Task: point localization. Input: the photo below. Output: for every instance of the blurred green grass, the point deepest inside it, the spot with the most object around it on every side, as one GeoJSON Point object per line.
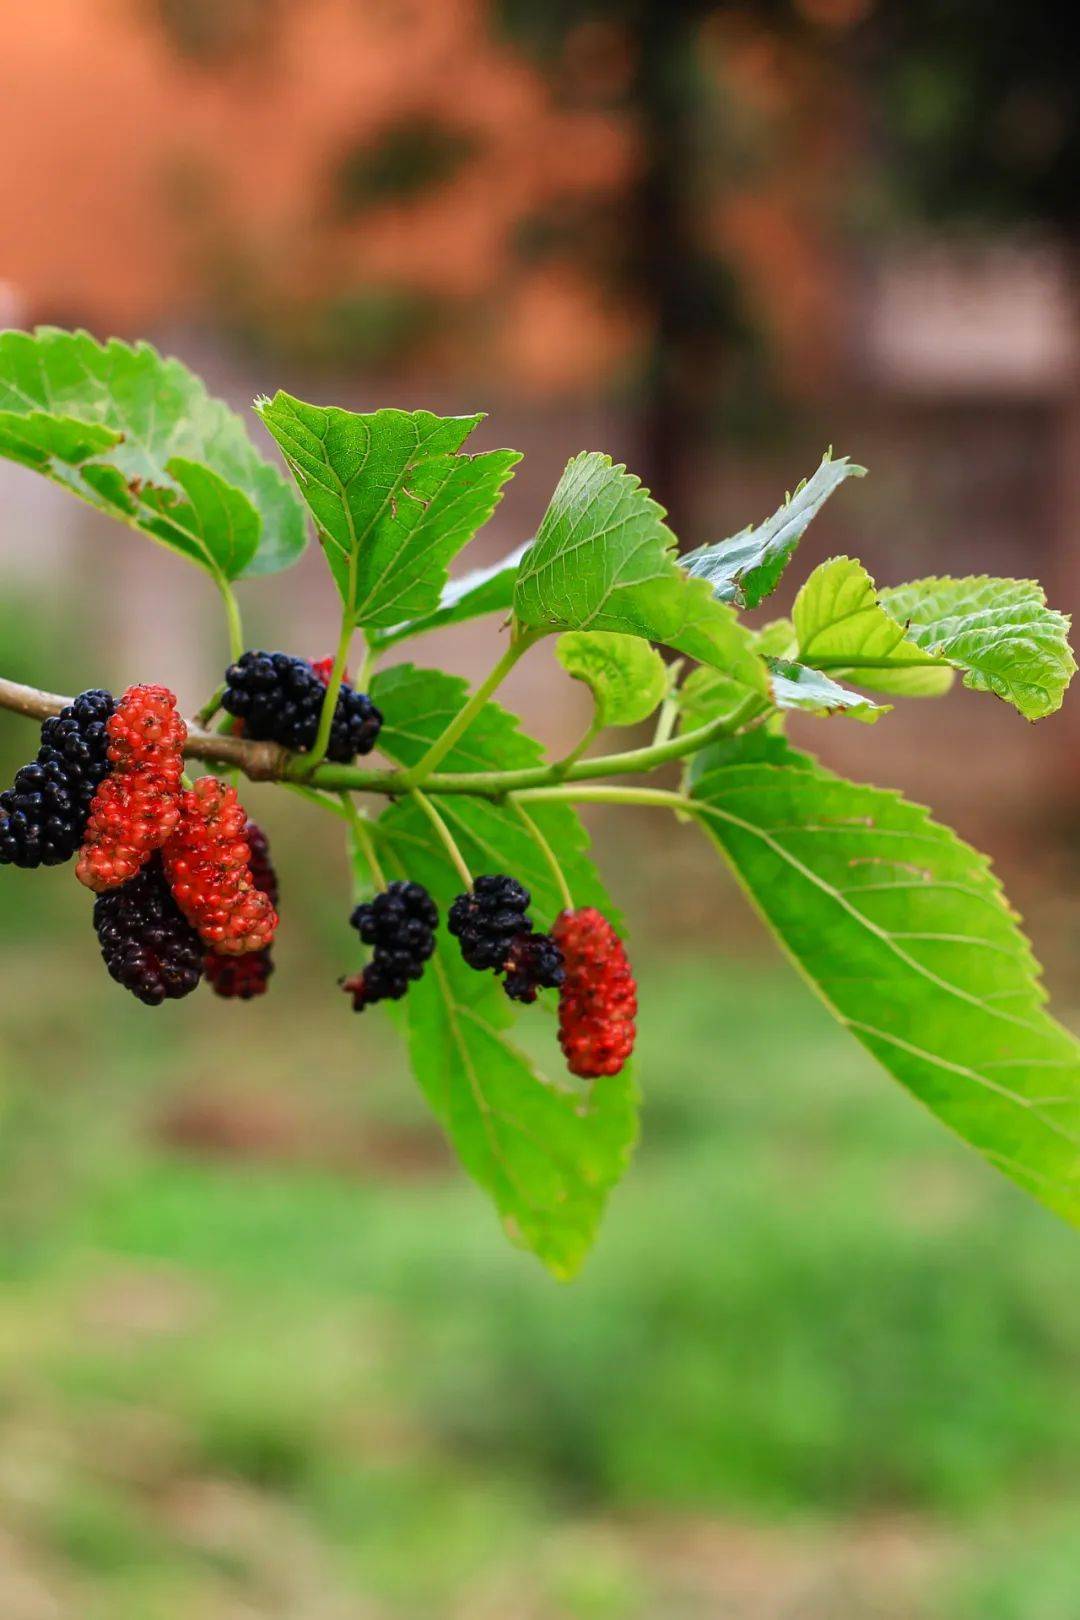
{"type": "Point", "coordinates": [264, 1352]}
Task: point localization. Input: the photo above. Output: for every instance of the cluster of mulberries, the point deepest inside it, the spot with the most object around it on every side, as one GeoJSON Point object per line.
{"type": "Point", "coordinates": [493, 928]}
{"type": "Point", "coordinates": [598, 1002]}
{"type": "Point", "coordinates": [43, 815]}
{"type": "Point", "coordinates": [185, 886]}
{"type": "Point", "coordinates": [208, 864]}
{"type": "Point", "coordinates": [279, 699]}
{"type": "Point", "coordinates": [241, 978]}
{"type": "Point", "coordinates": [136, 809]}
{"type": "Point", "coordinates": [400, 925]}
{"type": "Point", "coordinates": [147, 945]}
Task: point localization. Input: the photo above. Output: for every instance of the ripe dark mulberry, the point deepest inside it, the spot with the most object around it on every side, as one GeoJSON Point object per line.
{"type": "Point", "coordinates": [208, 865]}
{"type": "Point", "coordinates": [147, 945]}
{"type": "Point", "coordinates": [495, 932]}
{"type": "Point", "coordinates": [400, 924]}
{"type": "Point", "coordinates": [598, 1000]}
{"type": "Point", "coordinates": [488, 919]}
{"type": "Point", "coordinates": [43, 815]}
{"type": "Point", "coordinates": [534, 963]}
{"type": "Point", "coordinates": [136, 808]}
{"type": "Point", "coordinates": [279, 699]}
{"type": "Point", "coordinates": [241, 978]}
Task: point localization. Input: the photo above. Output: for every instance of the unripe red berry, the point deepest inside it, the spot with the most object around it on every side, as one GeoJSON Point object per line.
{"type": "Point", "coordinates": [242, 978]}
{"type": "Point", "coordinates": [207, 862]}
{"type": "Point", "coordinates": [136, 808]}
{"type": "Point", "coordinates": [598, 999]}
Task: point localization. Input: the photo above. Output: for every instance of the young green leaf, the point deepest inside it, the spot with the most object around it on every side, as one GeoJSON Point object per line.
{"type": "Point", "coordinates": [393, 496]}
{"type": "Point", "coordinates": [547, 1153]}
{"type": "Point", "coordinates": [794, 686]}
{"type": "Point", "coordinates": [840, 626]}
{"type": "Point", "coordinates": [139, 437]}
{"type": "Point", "coordinates": [627, 678]}
{"type": "Point", "coordinates": [748, 567]}
{"type": "Point", "coordinates": [482, 590]}
{"type": "Point", "coordinates": [906, 935]}
{"type": "Point", "coordinates": [1000, 632]}
{"type": "Point", "coordinates": [603, 559]}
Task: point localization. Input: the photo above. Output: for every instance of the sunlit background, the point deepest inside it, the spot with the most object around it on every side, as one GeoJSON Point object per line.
{"type": "Point", "coordinates": [264, 1353]}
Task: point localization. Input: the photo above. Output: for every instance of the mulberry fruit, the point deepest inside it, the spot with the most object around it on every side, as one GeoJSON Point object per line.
{"type": "Point", "coordinates": [241, 978]}
{"type": "Point", "coordinates": [208, 865]}
{"type": "Point", "coordinates": [598, 1000]}
{"type": "Point", "coordinates": [494, 930]}
{"type": "Point", "coordinates": [400, 923]}
{"type": "Point", "coordinates": [136, 808]}
{"type": "Point", "coordinates": [488, 919]}
{"type": "Point", "coordinates": [534, 963]}
{"type": "Point", "coordinates": [147, 945]}
{"type": "Point", "coordinates": [43, 815]}
{"type": "Point", "coordinates": [279, 699]}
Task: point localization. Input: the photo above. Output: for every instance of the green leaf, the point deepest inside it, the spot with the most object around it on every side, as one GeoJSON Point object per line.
{"type": "Point", "coordinates": [603, 559]}
{"type": "Point", "coordinates": [794, 686]}
{"type": "Point", "coordinates": [840, 626]}
{"type": "Point", "coordinates": [905, 933]}
{"type": "Point", "coordinates": [392, 495]}
{"type": "Point", "coordinates": [748, 567]}
{"type": "Point", "coordinates": [1000, 632]}
{"type": "Point", "coordinates": [627, 677]}
{"type": "Point", "coordinates": [140, 438]}
{"type": "Point", "coordinates": [547, 1153]}
{"type": "Point", "coordinates": [707, 694]}
{"type": "Point", "coordinates": [482, 590]}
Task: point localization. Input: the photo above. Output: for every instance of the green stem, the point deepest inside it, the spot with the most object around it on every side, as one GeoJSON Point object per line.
{"type": "Point", "coordinates": [233, 618]}
{"type": "Point", "coordinates": [496, 784]}
{"type": "Point", "coordinates": [330, 697]}
{"type": "Point", "coordinates": [371, 652]}
{"type": "Point", "coordinates": [575, 754]}
{"type": "Point", "coordinates": [445, 835]}
{"type": "Point", "coordinates": [318, 799]}
{"type": "Point", "coordinates": [659, 797]}
{"type": "Point", "coordinates": [875, 663]}
{"type": "Point", "coordinates": [362, 837]}
{"type": "Point", "coordinates": [669, 709]}
{"type": "Point", "coordinates": [210, 707]}
{"type": "Point", "coordinates": [519, 644]}
{"type": "Point", "coordinates": [546, 850]}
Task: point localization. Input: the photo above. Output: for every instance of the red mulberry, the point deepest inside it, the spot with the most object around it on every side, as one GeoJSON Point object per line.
{"type": "Point", "coordinates": [136, 808]}
{"type": "Point", "coordinates": [241, 978]}
{"type": "Point", "coordinates": [208, 865]}
{"type": "Point", "coordinates": [598, 1000]}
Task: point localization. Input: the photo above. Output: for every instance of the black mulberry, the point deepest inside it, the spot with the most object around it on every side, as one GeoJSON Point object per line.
{"type": "Point", "coordinates": [43, 815]}
{"type": "Point", "coordinates": [147, 945]}
{"type": "Point", "coordinates": [400, 924]}
{"type": "Point", "coordinates": [488, 919]}
{"type": "Point", "coordinates": [534, 963]}
{"type": "Point", "coordinates": [279, 699]}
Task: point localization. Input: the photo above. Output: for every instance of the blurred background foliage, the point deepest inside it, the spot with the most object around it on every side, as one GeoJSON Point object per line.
{"type": "Point", "coordinates": [263, 1354]}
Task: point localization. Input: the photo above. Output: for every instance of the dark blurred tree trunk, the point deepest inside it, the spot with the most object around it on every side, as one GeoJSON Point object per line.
{"type": "Point", "coordinates": [665, 254]}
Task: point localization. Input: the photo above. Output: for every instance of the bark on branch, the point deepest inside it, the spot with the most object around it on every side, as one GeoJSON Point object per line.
{"type": "Point", "coordinates": [261, 761]}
